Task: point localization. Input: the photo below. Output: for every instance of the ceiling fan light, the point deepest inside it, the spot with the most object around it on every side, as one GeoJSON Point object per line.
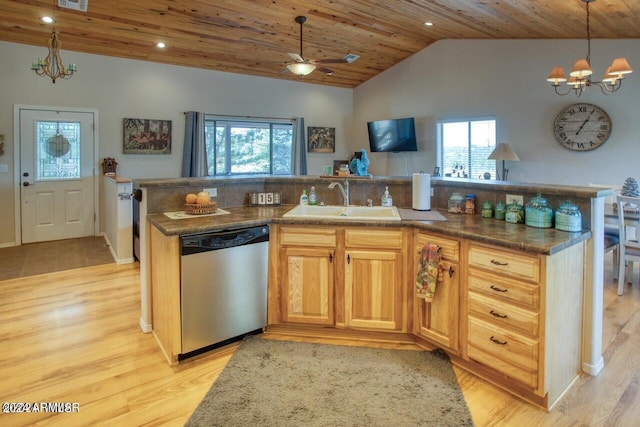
{"type": "Point", "coordinates": [618, 67]}
{"type": "Point", "coordinates": [581, 69]}
{"type": "Point", "coordinates": [301, 68]}
{"type": "Point", "coordinates": [556, 76]}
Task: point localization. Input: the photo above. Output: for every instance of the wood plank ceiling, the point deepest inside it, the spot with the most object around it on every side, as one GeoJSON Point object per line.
{"type": "Point", "coordinates": [254, 36]}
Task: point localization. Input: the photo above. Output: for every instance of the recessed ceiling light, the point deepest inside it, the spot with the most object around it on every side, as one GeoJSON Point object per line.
{"type": "Point", "coordinates": [161, 45]}
{"type": "Point", "coordinates": [428, 24]}
{"type": "Point", "coordinates": [47, 19]}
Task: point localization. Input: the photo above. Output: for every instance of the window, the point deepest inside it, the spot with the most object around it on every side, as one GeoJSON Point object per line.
{"type": "Point", "coordinates": [241, 146]}
{"type": "Point", "coordinates": [57, 150]}
{"type": "Point", "coordinates": [463, 148]}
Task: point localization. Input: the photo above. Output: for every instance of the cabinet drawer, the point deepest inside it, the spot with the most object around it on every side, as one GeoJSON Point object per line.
{"type": "Point", "coordinates": [507, 352]}
{"type": "Point", "coordinates": [368, 238]}
{"type": "Point", "coordinates": [504, 315]}
{"type": "Point", "coordinates": [505, 262]}
{"type": "Point", "coordinates": [505, 289]}
{"type": "Point", "coordinates": [308, 237]}
{"type": "Point", "coordinates": [449, 249]}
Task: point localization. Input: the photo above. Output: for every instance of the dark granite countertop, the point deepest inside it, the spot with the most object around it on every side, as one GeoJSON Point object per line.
{"type": "Point", "coordinates": [471, 227]}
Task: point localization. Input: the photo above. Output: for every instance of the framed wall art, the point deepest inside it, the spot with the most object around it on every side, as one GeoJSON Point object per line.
{"type": "Point", "coordinates": [321, 140]}
{"type": "Point", "coordinates": [145, 136]}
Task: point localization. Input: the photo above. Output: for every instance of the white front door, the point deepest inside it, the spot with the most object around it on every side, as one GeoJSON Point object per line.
{"type": "Point", "coordinates": [57, 174]}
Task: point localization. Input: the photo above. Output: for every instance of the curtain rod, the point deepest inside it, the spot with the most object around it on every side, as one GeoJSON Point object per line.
{"type": "Point", "coordinates": [246, 117]}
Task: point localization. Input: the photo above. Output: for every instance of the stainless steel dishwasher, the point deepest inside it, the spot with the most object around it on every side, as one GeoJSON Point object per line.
{"type": "Point", "coordinates": [223, 286]}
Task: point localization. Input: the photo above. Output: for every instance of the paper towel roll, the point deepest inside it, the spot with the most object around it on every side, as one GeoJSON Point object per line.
{"type": "Point", "coordinates": [421, 197]}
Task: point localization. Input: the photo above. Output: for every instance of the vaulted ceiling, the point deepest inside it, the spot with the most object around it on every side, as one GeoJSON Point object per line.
{"type": "Point", "coordinates": [255, 36]}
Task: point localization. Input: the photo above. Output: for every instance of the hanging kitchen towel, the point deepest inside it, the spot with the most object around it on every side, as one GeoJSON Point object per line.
{"type": "Point", "coordinates": [430, 272]}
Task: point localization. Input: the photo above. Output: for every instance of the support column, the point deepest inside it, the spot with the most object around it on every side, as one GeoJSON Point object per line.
{"type": "Point", "coordinates": [592, 360]}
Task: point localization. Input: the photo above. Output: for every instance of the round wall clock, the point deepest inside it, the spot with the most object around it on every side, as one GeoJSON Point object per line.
{"type": "Point", "coordinates": [582, 127]}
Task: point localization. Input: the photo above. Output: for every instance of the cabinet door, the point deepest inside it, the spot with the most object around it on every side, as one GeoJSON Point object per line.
{"type": "Point", "coordinates": [307, 285]}
{"type": "Point", "coordinates": [373, 289]}
{"type": "Point", "coordinates": [438, 319]}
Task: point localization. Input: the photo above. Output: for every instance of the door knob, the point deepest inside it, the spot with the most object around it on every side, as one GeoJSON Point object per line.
{"type": "Point", "coordinates": [26, 184]}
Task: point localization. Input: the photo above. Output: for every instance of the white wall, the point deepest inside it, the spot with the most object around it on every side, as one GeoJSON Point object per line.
{"type": "Point", "coordinates": [506, 79]}
{"type": "Point", "coordinates": [121, 88]}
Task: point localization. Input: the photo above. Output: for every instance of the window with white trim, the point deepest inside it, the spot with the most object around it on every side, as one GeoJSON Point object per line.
{"type": "Point", "coordinates": [241, 146]}
{"type": "Point", "coordinates": [463, 148]}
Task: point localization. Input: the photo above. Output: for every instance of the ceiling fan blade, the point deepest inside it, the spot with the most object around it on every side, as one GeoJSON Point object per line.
{"type": "Point", "coordinates": [285, 71]}
{"type": "Point", "coordinates": [331, 61]}
{"type": "Point", "coordinates": [296, 57]}
{"type": "Point", "coordinates": [327, 71]}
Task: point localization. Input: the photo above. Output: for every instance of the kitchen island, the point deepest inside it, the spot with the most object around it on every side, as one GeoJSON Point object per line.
{"type": "Point", "coordinates": [510, 307]}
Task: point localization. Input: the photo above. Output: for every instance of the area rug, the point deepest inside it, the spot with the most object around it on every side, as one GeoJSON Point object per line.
{"type": "Point", "coordinates": [283, 383]}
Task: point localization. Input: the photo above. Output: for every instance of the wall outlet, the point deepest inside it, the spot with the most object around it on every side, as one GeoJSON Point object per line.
{"type": "Point", "coordinates": [512, 197]}
{"type": "Point", "coordinates": [213, 192]}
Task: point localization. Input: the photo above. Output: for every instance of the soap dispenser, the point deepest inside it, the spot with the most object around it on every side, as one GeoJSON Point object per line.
{"type": "Point", "coordinates": [304, 199]}
{"type": "Point", "coordinates": [386, 198]}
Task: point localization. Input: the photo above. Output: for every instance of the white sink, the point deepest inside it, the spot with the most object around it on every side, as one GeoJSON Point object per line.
{"type": "Point", "coordinates": [348, 213]}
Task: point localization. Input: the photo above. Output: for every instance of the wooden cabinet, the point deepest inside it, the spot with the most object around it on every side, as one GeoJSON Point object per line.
{"type": "Point", "coordinates": [307, 271]}
{"type": "Point", "coordinates": [510, 317]}
{"type": "Point", "coordinates": [351, 277]}
{"type": "Point", "coordinates": [502, 329]}
{"type": "Point", "coordinates": [437, 321]}
{"type": "Point", "coordinates": [165, 293]}
{"type": "Point", "coordinates": [373, 286]}
{"type": "Point", "coordinates": [522, 319]}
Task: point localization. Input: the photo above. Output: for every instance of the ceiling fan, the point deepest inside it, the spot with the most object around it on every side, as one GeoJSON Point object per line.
{"type": "Point", "coordinates": [303, 66]}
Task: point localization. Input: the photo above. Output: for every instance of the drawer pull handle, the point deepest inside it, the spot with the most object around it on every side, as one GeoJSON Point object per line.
{"type": "Point", "coordinates": [498, 341]}
{"type": "Point", "coordinates": [497, 289]}
{"type": "Point", "coordinates": [502, 316]}
{"type": "Point", "coordinates": [451, 271]}
{"type": "Point", "coordinates": [494, 262]}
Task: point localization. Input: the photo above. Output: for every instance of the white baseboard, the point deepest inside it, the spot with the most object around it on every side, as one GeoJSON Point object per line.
{"type": "Point", "coordinates": [114, 255]}
{"type": "Point", "coordinates": [146, 327]}
{"type": "Point", "coordinates": [8, 245]}
{"type": "Point", "coordinates": [593, 369]}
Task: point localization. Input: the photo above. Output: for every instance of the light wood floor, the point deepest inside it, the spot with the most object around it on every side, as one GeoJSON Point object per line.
{"type": "Point", "coordinates": [73, 336]}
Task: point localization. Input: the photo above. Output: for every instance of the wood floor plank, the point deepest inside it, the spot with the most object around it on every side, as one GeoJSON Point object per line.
{"type": "Point", "coordinates": [73, 336]}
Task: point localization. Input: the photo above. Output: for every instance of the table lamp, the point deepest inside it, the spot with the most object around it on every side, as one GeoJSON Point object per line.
{"type": "Point", "coordinates": [503, 151]}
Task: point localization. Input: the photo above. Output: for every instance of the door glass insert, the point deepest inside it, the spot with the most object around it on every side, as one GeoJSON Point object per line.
{"type": "Point", "coordinates": [57, 150]}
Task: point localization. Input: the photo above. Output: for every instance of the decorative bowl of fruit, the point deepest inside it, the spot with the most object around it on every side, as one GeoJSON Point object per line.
{"type": "Point", "coordinates": [199, 204]}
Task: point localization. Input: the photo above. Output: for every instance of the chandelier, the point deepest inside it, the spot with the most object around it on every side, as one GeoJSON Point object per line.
{"type": "Point", "coordinates": [52, 65]}
{"type": "Point", "coordinates": [580, 75]}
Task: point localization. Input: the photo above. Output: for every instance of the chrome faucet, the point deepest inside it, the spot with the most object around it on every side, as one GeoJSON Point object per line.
{"type": "Point", "coordinates": [344, 190]}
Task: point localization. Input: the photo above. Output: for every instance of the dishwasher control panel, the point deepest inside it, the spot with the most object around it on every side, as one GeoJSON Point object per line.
{"type": "Point", "coordinates": [196, 243]}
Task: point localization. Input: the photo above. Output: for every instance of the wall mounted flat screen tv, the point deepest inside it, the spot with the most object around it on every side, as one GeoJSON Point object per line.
{"type": "Point", "coordinates": [392, 135]}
